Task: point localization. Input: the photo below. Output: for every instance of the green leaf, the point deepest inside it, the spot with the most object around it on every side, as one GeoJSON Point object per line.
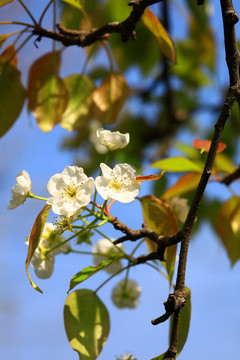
{"type": "Point", "coordinates": [76, 3]}
{"type": "Point", "coordinates": [227, 227]}
{"type": "Point", "coordinates": [109, 97]}
{"type": "Point", "coordinates": [47, 93]}
{"type": "Point", "coordinates": [177, 164]}
{"type": "Point", "coordinates": [184, 184]}
{"type": "Point", "coordinates": [86, 322]}
{"type": "Point", "coordinates": [163, 38]}
{"type": "Point", "coordinates": [77, 113]}
{"type": "Point", "coordinates": [224, 164]}
{"type": "Point", "coordinates": [4, 37]}
{"type": "Point", "coordinates": [160, 357]}
{"type": "Point", "coordinates": [161, 219]}
{"type": "Point", "coordinates": [5, 2]}
{"type": "Point", "coordinates": [184, 324]}
{"type": "Point", "coordinates": [34, 239]}
{"type": "Point", "coordinates": [12, 96]}
{"type": "Point", "coordinates": [85, 273]}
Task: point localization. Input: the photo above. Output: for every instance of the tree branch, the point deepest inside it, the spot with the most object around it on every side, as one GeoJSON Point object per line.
{"type": "Point", "coordinates": [126, 28]}
{"type": "Point", "coordinates": [227, 180]}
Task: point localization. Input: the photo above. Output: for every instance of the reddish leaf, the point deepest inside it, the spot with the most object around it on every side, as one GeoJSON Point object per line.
{"type": "Point", "coordinates": [184, 184]}
{"type": "Point", "coordinates": [47, 93]}
{"type": "Point", "coordinates": [163, 38]}
{"type": "Point", "coordinates": [149, 177]}
{"type": "Point", "coordinates": [161, 219]}
{"type": "Point", "coordinates": [109, 97]}
{"type": "Point", "coordinates": [34, 239]}
{"type": "Point", "coordinates": [228, 226]}
{"type": "Point", "coordinates": [12, 96]}
{"type": "Point", "coordinates": [204, 145]}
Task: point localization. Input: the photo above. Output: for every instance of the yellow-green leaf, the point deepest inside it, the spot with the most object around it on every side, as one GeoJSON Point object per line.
{"type": "Point", "coordinates": [161, 219]}
{"type": "Point", "coordinates": [12, 96]}
{"type": "Point", "coordinates": [78, 111]}
{"type": "Point", "coordinates": [34, 239]}
{"type": "Point", "coordinates": [184, 184]}
{"type": "Point", "coordinates": [163, 38]}
{"type": "Point", "coordinates": [76, 3]}
{"type": "Point", "coordinates": [47, 93]}
{"type": "Point", "coordinates": [86, 322]}
{"type": "Point", "coordinates": [160, 357]}
{"type": "Point", "coordinates": [184, 324]}
{"type": "Point", "coordinates": [4, 37]}
{"type": "Point", "coordinates": [84, 274]}
{"type": "Point", "coordinates": [109, 97]}
{"type": "Point", "coordinates": [227, 227]}
{"type": "Point", "coordinates": [177, 164]}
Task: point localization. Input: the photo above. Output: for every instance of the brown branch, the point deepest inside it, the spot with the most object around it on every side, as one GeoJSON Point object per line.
{"type": "Point", "coordinates": [176, 300]}
{"type": "Point", "coordinates": [126, 28]}
{"type": "Point", "coordinates": [227, 180]}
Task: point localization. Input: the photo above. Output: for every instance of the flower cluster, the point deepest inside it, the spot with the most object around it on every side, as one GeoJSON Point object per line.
{"type": "Point", "coordinates": [104, 249]}
{"type": "Point", "coordinates": [43, 262]}
{"type": "Point", "coordinates": [72, 190]}
{"type": "Point", "coordinates": [126, 356]}
{"type": "Point", "coordinates": [126, 294]}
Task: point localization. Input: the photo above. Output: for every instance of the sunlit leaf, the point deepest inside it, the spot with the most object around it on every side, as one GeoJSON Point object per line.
{"type": "Point", "coordinates": [78, 111]}
{"type": "Point", "coordinates": [184, 184]}
{"type": "Point", "coordinates": [227, 227]}
{"type": "Point", "coordinates": [163, 38]}
{"type": "Point", "coordinates": [177, 164]}
{"type": "Point", "coordinates": [34, 239]}
{"type": "Point", "coordinates": [12, 96]}
{"type": "Point", "coordinates": [47, 93]}
{"type": "Point", "coordinates": [9, 55]}
{"type": "Point", "coordinates": [184, 324]}
{"type": "Point", "coordinates": [161, 219]}
{"type": "Point", "coordinates": [86, 322]}
{"type": "Point", "coordinates": [109, 97]}
{"type": "Point", "coordinates": [4, 37]}
{"type": "Point", "coordinates": [224, 164]}
{"type": "Point", "coordinates": [76, 3]}
{"type": "Point", "coordinates": [204, 145]}
{"type": "Point", "coordinates": [84, 274]}
{"type": "Point", "coordinates": [5, 2]}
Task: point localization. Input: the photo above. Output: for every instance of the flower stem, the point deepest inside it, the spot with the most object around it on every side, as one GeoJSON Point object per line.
{"type": "Point", "coordinates": [31, 195]}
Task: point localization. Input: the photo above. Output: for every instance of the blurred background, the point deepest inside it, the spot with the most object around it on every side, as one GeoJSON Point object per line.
{"type": "Point", "coordinates": [31, 324]}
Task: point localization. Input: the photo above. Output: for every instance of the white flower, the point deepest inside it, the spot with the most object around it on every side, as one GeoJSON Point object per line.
{"type": "Point", "coordinates": [70, 190]}
{"type": "Point", "coordinates": [93, 126]}
{"type": "Point", "coordinates": [104, 246]}
{"type": "Point", "coordinates": [180, 208]}
{"type": "Point", "coordinates": [119, 184]}
{"type": "Point", "coordinates": [126, 356]}
{"type": "Point", "coordinates": [44, 263]}
{"type": "Point", "coordinates": [20, 190]}
{"type": "Point", "coordinates": [113, 140]}
{"type": "Point", "coordinates": [126, 294]}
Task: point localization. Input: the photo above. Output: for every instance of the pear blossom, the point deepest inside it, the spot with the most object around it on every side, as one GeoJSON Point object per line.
{"type": "Point", "coordinates": [118, 183]}
{"type": "Point", "coordinates": [93, 126]}
{"type": "Point", "coordinates": [126, 356]}
{"type": "Point", "coordinates": [104, 246]}
{"type": "Point", "coordinates": [113, 140]}
{"type": "Point", "coordinates": [44, 263]}
{"type": "Point", "coordinates": [71, 190]}
{"type": "Point", "coordinates": [21, 190]}
{"type": "Point", "coordinates": [126, 294]}
{"type": "Point", "coordinates": [180, 207]}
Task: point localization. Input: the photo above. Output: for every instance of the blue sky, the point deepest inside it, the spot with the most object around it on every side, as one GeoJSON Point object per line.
{"type": "Point", "coordinates": [31, 324]}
